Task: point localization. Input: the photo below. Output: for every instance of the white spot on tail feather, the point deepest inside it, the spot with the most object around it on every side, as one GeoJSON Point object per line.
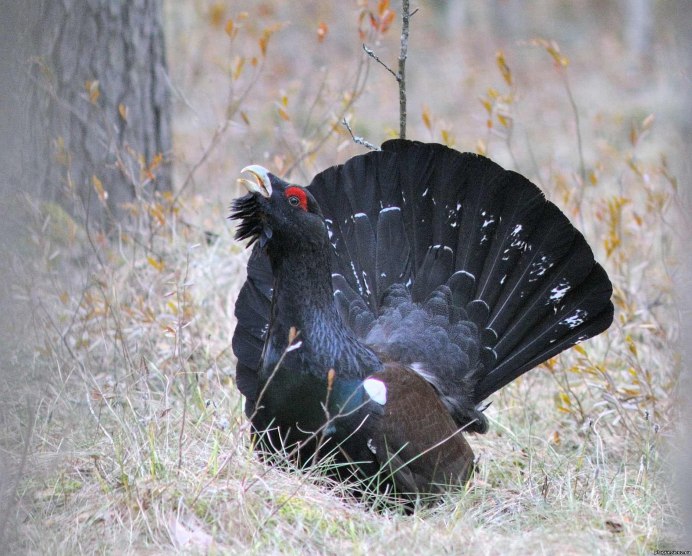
{"type": "Point", "coordinates": [575, 319]}
{"type": "Point", "coordinates": [376, 389]}
{"type": "Point", "coordinates": [559, 291]}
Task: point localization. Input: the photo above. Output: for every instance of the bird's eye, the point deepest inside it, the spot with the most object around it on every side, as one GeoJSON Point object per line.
{"type": "Point", "coordinates": [297, 197]}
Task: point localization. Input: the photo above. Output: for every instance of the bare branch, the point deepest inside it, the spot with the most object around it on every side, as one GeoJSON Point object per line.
{"type": "Point", "coordinates": [357, 139]}
{"type": "Point", "coordinates": [370, 52]}
{"type": "Point", "coordinates": [405, 16]}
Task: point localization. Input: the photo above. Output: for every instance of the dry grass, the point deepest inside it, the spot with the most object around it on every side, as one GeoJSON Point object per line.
{"type": "Point", "coordinates": [121, 395]}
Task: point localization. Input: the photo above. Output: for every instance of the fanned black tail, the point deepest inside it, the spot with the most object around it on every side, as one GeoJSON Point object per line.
{"type": "Point", "coordinates": [499, 272]}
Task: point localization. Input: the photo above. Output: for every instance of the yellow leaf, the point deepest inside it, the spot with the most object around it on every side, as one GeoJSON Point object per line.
{"type": "Point", "coordinates": [634, 135]}
{"type": "Point", "coordinates": [92, 88]}
{"type": "Point", "coordinates": [245, 118]}
{"type": "Point", "coordinates": [158, 265]}
{"type": "Point", "coordinates": [266, 35]}
{"type": "Point", "coordinates": [122, 110]}
{"type": "Point", "coordinates": [447, 137]}
{"type": "Point", "coordinates": [238, 65]}
{"type": "Point", "coordinates": [504, 68]}
{"type": "Point", "coordinates": [217, 11]}
{"type": "Point", "coordinates": [156, 211]}
{"type": "Point", "coordinates": [426, 117]}
{"type": "Point", "coordinates": [504, 120]}
{"type": "Point", "coordinates": [564, 398]}
{"type": "Point", "coordinates": [382, 6]}
{"type": "Point", "coordinates": [230, 29]}
{"type": "Point", "coordinates": [481, 147]}
{"type": "Point", "coordinates": [580, 349]}
{"type": "Point", "coordinates": [98, 186]}
{"type": "Point", "coordinates": [283, 114]}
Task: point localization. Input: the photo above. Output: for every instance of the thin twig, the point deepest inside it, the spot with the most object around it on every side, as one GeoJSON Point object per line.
{"type": "Point", "coordinates": [356, 138]}
{"type": "Point", "coordinates": [370, 52]}
{"type": "Point", "coordinates": [181, 359]}
{"type": "Point", "coordinates": [405, 16]}
{"type": "Point", "coordinates": [575, 110]}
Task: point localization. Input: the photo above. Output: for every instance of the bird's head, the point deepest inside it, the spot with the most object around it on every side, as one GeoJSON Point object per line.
{"type": "Point", "coordinates": [275, 212]}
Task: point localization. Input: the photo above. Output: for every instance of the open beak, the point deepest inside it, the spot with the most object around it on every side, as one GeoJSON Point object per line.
{"type": "Point", "coordinates": [263, 185]}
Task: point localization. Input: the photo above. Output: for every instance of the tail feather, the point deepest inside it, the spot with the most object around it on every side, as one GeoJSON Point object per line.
{"type": "Point", "coordinates": [252, 312]}
{"type": "Point", "coordinates": [393, 259]}
{"type": "Point", "coordinates": [588, 313]}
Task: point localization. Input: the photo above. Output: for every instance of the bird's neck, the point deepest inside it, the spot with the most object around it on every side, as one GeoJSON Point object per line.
{"type": "Point", "coordinates": [303, 294]}
{"type": "Point", "coordinates": [303, 300]}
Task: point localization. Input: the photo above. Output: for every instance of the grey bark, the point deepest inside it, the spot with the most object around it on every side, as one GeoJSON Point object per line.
{"type": "Point", "coordinates": [75, 136]}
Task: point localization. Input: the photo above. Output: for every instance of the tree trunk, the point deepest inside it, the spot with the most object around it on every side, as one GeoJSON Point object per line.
{"type": "Point", "coordinates": [99, 112]}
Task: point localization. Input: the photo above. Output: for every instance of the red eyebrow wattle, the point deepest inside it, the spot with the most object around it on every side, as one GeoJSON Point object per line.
{"type": "Point", "coordinates": [299, 192]}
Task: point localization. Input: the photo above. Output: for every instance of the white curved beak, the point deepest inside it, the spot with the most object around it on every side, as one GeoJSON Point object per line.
{"type": "Point", "coordinates": [263, 185]}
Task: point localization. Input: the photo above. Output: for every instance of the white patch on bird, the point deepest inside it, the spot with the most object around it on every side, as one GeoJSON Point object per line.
{"type": "Point", "coordinates": [371, 446]}
{"type": "Point", "coordinates": [458, 206]}
{"type": "Point", "coordinates": [467, 274]}
{"type": "Point", "coordinates": [365, 282]}
{"type": "Point", "coordinates": [390, 209]}
{"type": "Point", "coordinates": [577, 318]}
{"type": "Point", "coordinates": [558, 292]}
{"type": "Point", "coordinates": [518, 228]}
{"type": "Point", "coordinates": [425, 192]}
{"type": "Point", "coordinates": [360, 215]}
{"type": "Point", "coordinates": [487, 222]}
{"type": "Point", "coordinates": [355, 275]}
{"type": "Point", "coordinates": [376, 389]}
{"type": "Point", "coordinates": [420, 370]}
{"type": "Point", "coordinates": [502, 281]}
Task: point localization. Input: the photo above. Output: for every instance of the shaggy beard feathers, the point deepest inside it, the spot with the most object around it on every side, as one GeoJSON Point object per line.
{"type": "Point", "coordinates": [247, 210]}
